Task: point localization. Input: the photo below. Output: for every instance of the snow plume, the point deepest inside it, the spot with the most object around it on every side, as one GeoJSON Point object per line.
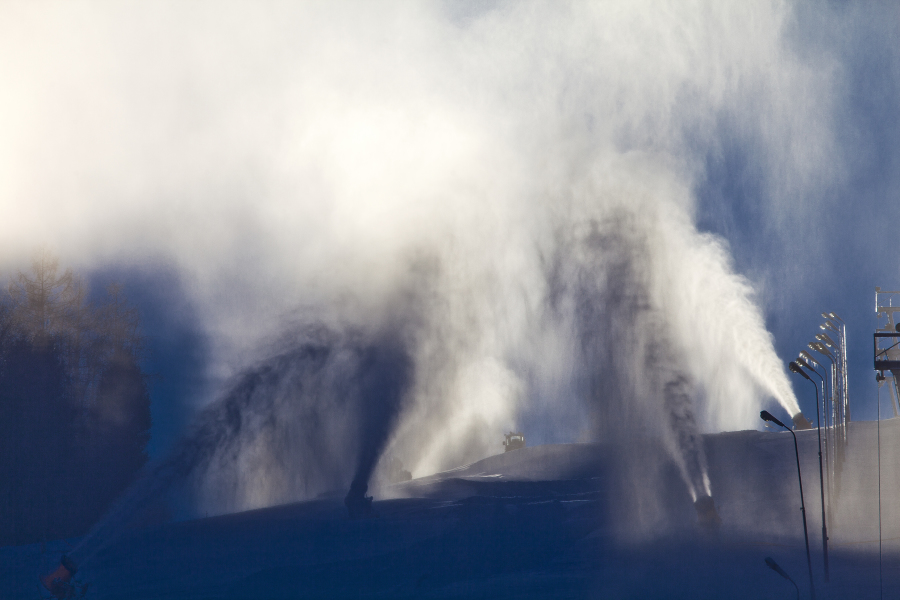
{"type": "Point", "coordinates": [637, 378]}
{"type": "Point", "coordinates": [528, 168]}
{"type": "Point", "coordinates": [305, 421]}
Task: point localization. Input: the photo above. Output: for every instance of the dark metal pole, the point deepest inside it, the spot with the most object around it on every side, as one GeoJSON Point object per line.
{"type": "Point", "coordinates": [812, 589]}
{"type": "Point", "coordinates": [774, 566]}
{"type": "Point", "coordinates": [808, 363]}
{"type": "Point", "coordinates": [796, 368]}
{"type": "Point", "coordinates": [765, 416]}
{"type": "Point", "coordinates": [829, 454]}
{"type": "Point", "coordinates": [879, 377]}
{"type": "Point", "coordinates": [821, 485]}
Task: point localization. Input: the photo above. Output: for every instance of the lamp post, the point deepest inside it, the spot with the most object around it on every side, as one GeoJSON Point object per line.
{"type": "Point", "coordinates": [837, 325]}
{"type": "Point", "coordinates": [839, 424]}
{"type": "Point", "coordinates": [841, 359]}
{"type": "Point", "coordinates": [766, 416]}
{"type": "Point", "coordinates": [796, 369]}
{"type": "Point", "coordinates": [838, 390]}
{"type": "Point", "coordinates": [806, 360]}
{"type": "Point", "coordinates": [774, 566]}
{"type": "Point", "coordinates": [824, 351]}
{"type": "Point", "coordinates": [841, 326]}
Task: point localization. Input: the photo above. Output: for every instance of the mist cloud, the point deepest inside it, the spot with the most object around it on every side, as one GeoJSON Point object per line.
{"type": "Point", "coordinates": [527, 169]}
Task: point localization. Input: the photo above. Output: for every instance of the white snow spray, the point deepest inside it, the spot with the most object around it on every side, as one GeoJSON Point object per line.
{"type": "Point", "coordinates": [313, 418]}
{"type": "Point", "coordinates": [535, 164]}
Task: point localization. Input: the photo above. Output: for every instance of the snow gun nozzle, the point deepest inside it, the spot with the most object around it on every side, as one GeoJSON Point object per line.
{"type": "Point", "coordinates": [707, 516]}
{"type": "Point", "coordinates": [58, 582]}
{"type": "Point", "coordinates": [801, 422]}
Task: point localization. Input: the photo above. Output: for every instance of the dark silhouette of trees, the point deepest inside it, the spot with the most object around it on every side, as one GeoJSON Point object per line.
{"type": "Point", "coordinates": [74, 404]}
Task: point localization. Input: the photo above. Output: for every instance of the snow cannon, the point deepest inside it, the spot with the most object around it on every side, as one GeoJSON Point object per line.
{"type": "Point", "coordinates": [514, 441]}
{"type": "Point", "coordinates": [58, 582]}
{"type": "Point", "coordinates": [801, 422]}
{"type": "Point", "coordinates": [358, 504]}
{"type": "Point", "coordinates": [707, 517]}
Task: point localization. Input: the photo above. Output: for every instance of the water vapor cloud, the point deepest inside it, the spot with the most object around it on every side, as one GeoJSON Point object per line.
{"type": "Point", "coordinates": [520, 177]}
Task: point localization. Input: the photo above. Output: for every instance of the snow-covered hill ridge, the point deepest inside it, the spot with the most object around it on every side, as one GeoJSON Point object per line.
{"type": "Point", "coordinates": [551, 461]}
{"type": "Point", "coordinates": [560, 521]}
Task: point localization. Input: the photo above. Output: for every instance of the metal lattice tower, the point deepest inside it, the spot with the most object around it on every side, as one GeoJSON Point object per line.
{"type": "Point", "coordinates": [887, 341]}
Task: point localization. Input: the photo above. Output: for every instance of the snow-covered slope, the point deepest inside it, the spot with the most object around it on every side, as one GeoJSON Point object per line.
{"type": "Point", "coordinates": [560, 521]}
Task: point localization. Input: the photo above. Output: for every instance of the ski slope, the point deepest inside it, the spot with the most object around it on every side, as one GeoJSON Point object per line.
{"type": "Point", "coordinates": [556, 521]}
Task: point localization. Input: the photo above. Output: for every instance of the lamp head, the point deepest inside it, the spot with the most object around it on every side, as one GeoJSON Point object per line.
{"type": "Point", "coordinates": [809, 358]}
{"type": "Point", "coordinates": [821, 349]}
{"type": "Point", "coordinates": [774, 566]}
{"type": "Point", "coordinates": [793, 366]}
{"type": "Point", "coordinates": [767, 416]}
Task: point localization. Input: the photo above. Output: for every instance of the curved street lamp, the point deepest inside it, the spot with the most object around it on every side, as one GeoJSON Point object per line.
{"type": "Point", "coordinates": [829, 325]}
{"type": "Point", "coordinates": [824, 351]}
{"type": "Point", "coordinates": [841, 327]}
{"type": "Point", "coordinates": [838, 439]}
{"type": "Point", "coordinates": [766, 416]}
{"type": "Point", "coordinates": [806, 360]}
{"type": "Point", "coordinates": [837, 357]}
{"type": "Point", "coordinates": [823, 337]}
{"type": "Point", "coordinates": [774, 566]}
{"type": "Point", "coordinates": [797, 369]}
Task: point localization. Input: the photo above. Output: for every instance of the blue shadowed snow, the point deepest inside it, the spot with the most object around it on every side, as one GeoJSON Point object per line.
{"type": "Point", "coordinates": [556, 521]}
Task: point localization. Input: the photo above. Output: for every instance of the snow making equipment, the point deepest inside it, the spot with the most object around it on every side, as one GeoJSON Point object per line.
{"type": "Point", "coordinates": [801, 422]}
{"type": "Point", "coordinates": [359, 505]}
{"type": "Point", "coordinates": [514, 441]}
{"type": "Point", "coordinates": [707, 516]}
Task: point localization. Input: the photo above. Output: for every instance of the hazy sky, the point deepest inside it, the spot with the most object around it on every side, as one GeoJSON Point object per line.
{"type": "Point", "coordinates": [242, 164]}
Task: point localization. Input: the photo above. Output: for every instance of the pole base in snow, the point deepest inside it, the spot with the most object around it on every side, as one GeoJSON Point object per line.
{"type": "Point", "coordinates": [359, 508]}
{"type": "Point", "coordinates": [58, 582]}
{"type": "Point", "coordinates": [358, 504]}
{"type": "Point", "coordinates": [707, 516]}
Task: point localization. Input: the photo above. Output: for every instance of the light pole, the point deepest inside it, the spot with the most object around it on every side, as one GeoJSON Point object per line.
{"type": "Point", "coordinates": [774, 566]}
{"type": "Point", "coordinates": [842, 332]}
{"type": "Point", "coordinates": [839, 425]}
{"type": "Point", "coordinates": [806, 360]}
{"type": "Point", "coordinates": [765, 416]}
{"type": "Point", "coordinates": [841, 362]}
{"type": "Point", "coordinates": [796, 369]}
{"type": "Point", "coordinates": [841, 392]}
{"type": "Point", "coordinates": [824, 351]}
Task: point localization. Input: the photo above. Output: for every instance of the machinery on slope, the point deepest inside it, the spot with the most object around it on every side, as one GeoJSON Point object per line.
{"type": "Point", "coordinates": [514, 441]}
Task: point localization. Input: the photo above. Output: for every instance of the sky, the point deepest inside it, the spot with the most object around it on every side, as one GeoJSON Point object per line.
{"type": "Point", "coordinates": [247, 167]}
{"type": "Point", "coordinates": [828, 251]}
